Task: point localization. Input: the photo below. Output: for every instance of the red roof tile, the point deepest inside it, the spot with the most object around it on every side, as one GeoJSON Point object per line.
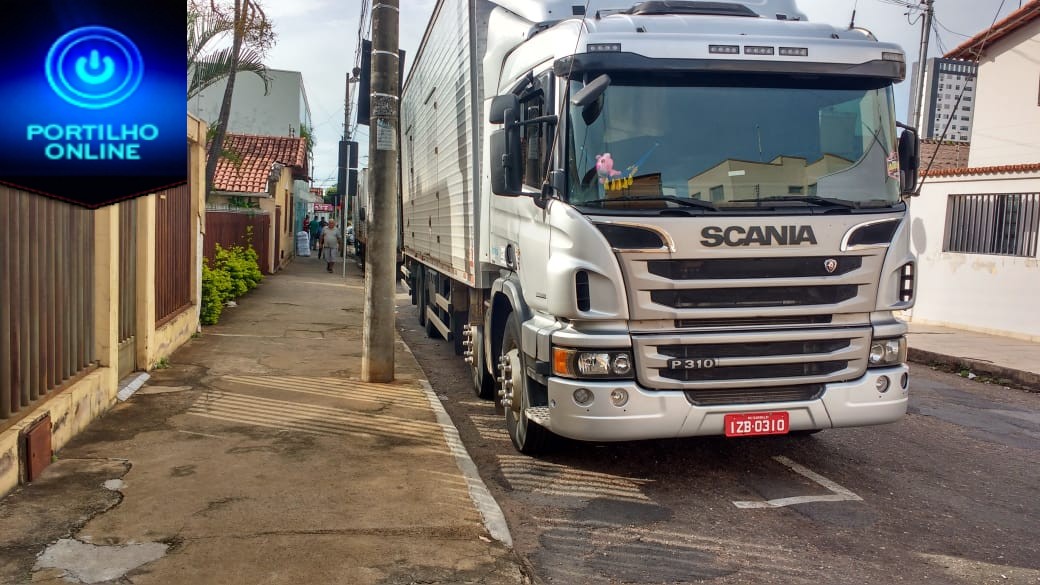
{"type": "Point", "coordinates": [973, 48]}
{"type": "Point", "coordinates": [254, 156]}
{"type": "Point", "coordinates": [994, 170]}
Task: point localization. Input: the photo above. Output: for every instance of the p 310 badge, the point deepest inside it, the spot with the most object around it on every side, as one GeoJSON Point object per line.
{"type": "Point", "coordinates": [693, 364]}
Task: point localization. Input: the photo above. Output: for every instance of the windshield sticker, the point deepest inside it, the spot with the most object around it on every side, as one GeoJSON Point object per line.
{"type": "Point", "coordinates": [893, 165]}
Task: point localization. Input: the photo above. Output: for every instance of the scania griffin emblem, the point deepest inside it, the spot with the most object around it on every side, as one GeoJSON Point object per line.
{"type": "Point", "coordinates": [830, 264]}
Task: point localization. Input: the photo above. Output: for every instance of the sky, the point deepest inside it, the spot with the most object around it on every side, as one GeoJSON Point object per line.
{"type": "Point", "coordinates": [319, 38]}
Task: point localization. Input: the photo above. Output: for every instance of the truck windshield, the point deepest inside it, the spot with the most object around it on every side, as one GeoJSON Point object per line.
{"type": "Point", "coordinates": [735, 144]}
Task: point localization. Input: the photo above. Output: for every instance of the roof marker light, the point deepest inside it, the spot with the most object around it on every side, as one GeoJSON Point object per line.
{"type": "Point", "coordinates": [749, 50]}
{"type": "Point", "coordinates": [604, 47]}
{"type": "Point", "coordinates": [724, 49]}
{"type": "Point", "coordinates": [794, 51]}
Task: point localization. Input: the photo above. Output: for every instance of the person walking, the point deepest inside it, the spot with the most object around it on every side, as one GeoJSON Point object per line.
{"type": "Point", "coordinates": [315, 229]}
{"type": "Point", "coordinates": [330, 245]}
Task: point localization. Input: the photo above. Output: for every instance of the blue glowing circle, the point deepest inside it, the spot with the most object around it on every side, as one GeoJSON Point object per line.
{"type": "Point", "coordinates": [94, 67]}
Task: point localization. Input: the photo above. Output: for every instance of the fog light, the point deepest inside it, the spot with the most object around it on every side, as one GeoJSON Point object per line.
{"type": "Point", "coordinates": [904, 381]}
{"type": "Point", "coordinates": [619, 397]}
{"type": "Point", "coordinates": [583, 396]}
{"type": "Point", "coordinates": [622, 365]}
{"type": "Point", "coordinates": [882, 384]}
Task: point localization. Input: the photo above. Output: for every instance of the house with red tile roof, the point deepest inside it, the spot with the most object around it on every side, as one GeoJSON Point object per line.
{"type": "Point", "coordinates": [976, 224]}
{"type": "Point", "coordinates": [257, 173]}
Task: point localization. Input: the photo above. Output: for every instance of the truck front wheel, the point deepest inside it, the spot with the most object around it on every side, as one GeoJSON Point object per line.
{"type": "Point", "coordinates": [515, 389]}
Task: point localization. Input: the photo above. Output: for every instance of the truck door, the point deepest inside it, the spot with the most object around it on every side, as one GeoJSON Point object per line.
{"type": "Point", "coordinates": [524, 222]}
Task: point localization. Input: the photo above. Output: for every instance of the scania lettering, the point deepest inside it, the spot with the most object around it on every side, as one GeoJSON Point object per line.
{"type": "Point", "coordinates": [660, 219]}
{"type": "Point", "coordinates": [761, 235]}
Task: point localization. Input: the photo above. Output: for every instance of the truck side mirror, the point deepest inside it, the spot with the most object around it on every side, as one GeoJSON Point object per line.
{"type": "Point", "coordinates": [505, 146]}
{"type": "Point", "coordinates": [909, 160]}
{"type": "Point", "coordinates": [500, 104]}
{"type": "Point", "coordinates": [590, 98]}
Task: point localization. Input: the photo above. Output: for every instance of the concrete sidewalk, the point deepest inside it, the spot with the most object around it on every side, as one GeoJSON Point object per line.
{"type": "Point", "coordinates": [1003, 358]}
{"type": "Point", "coordinates": [258, 457]}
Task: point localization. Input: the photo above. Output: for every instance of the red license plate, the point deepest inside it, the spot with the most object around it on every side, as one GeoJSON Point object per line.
{"type": "Point", "coordinates": [757, 423]}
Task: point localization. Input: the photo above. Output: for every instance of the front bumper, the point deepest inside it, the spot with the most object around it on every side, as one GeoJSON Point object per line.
{"type": "Point", "coordinates": [658, 414]}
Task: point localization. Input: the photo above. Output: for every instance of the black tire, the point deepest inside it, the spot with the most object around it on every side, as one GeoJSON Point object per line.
{"type": "Point", "coordinates": [431, 329]}
{"type": "Point", "coordinates": [483, 381]}
{"type": "Point", "coordinates": [528, 437]}
{"type": "Point", "coordinates": [458, 321]}
{"type": "Point", "coordinates": [804, 433]}
{"type": "Point", "coordinates": [420, 296]}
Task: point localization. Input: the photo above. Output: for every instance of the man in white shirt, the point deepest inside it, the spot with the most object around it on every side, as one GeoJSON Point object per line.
{"type": "Point", "coordinates": [330, 244]}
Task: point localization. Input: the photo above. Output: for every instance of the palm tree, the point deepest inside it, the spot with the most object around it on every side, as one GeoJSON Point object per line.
{"type": "Point", "coordinates": [251, 35]}
{"type": "Point", "coordinates": [207, 68]}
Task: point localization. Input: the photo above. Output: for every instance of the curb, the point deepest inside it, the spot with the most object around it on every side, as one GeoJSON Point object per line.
{"type": "Point", "coordinates": [494, 519]}
{"type": "Point", "coordinates": [1027, 380]}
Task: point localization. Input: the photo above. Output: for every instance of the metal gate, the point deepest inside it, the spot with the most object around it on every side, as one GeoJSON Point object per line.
{"type": "Point", "coordinates": [46, 298]}
{"type": "Point", "coordinates": [127, 287]}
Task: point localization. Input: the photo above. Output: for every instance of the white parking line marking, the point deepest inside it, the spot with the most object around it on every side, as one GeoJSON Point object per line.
{"type": "Point", "coordinates": [840, 494]}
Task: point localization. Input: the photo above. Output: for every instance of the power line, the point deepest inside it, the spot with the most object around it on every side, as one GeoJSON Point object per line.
{"type": "Point", "coordinates": [944, 27]}
{"type": "Point", "coordinates": [956, 104]}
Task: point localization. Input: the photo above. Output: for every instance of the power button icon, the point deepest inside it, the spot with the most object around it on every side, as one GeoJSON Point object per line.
{"type": "Point", "coordinates": [94, 67]}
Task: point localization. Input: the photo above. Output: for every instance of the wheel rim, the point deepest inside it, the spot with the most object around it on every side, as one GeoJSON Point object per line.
{"type": "Point", "coordinates": [515, 395]}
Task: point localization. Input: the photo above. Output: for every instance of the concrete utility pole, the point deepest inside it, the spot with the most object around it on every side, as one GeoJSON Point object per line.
{"type": "Point", "coordinates": [922, 61]}
{"type": "Point", "coordinates": [377, 360]}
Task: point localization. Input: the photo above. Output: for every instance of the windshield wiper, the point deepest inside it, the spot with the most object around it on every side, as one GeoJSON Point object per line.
{"type": "Point", "coordinates": [679, 200]}
{"type": "Point", "coordinates": [827, 201]}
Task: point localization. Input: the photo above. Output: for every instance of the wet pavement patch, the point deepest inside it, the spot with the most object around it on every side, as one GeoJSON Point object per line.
{"type": "Point", "coordinates": [89, 563]}
{"type": "Point", "coordinates": [622, 512]}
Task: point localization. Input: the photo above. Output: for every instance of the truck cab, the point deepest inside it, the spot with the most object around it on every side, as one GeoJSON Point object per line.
{"type": "Point", "coordinates": [696, 222]}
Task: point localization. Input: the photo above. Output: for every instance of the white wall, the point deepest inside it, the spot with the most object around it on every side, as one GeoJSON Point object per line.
{"type": "Point", "coordinates": [1007, 115]}
{"type": "Point", "coordinates": [252, 112]}
{"type": "Point", "coordinates": [987, 293]}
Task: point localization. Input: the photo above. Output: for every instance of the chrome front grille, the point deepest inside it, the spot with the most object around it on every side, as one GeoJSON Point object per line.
{"type": "Point", "coordinates": [730, 268]}
{"type": "Point", "coordinates": [750, 287]}
{"type": "Point", "coordinates": [751, 360]}
{"type": "Point", "coordinates": [762, 296]}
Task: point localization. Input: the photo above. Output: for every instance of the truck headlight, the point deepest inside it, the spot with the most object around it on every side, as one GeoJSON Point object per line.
{"type": "Point", "coordinates": [887, 352]}
{"type": "Point", "coordinates": [575, 363]}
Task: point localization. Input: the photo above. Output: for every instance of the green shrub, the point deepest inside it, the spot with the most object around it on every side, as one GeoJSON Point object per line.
{"type": "Point", "coordinates": [235, 271]}
{"type": "Point", "coordinates": [216, 289]}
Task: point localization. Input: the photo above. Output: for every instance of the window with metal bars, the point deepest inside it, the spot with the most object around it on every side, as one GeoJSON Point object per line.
{"type": "Point", "coordinates": [1003, 224]}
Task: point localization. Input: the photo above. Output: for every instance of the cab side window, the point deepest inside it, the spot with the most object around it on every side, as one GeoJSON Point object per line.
{"type": "Point", "coordinates": [536, 139]}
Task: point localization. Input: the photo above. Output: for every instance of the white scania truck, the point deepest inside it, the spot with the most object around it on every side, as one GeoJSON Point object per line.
{"type": "Point", "coordinates": [667, 219]}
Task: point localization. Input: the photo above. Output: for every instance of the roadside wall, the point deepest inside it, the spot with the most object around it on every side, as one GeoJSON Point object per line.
{"type": "Point", "coordinates": [988, 293]}
{"type": "Point", "coordinates": [87, 393]}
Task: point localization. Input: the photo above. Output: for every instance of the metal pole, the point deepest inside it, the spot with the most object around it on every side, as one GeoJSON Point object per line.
{"type": "Point", "coordinates": [343, 187]}
{"type": "Point", "coordinates": [377, 361]}
{"type": "Point", "coordinates": [922, 61]}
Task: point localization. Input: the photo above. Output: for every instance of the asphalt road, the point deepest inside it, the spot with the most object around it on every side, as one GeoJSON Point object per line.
{"type": "Point", "coordinates": [949, 495]}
